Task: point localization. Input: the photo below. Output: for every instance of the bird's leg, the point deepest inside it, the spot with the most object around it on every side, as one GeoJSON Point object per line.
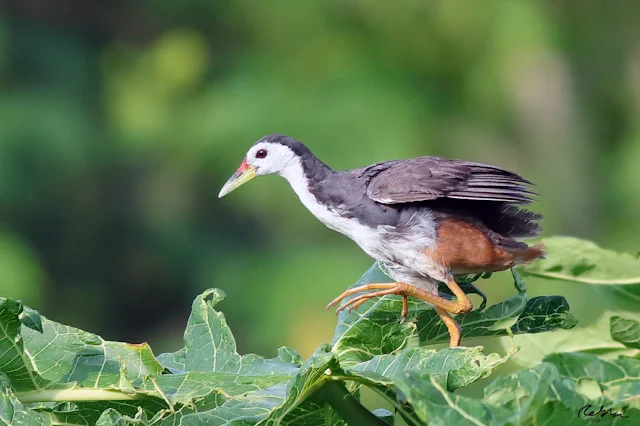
{"type": "Point", "coordinates": [462, 304]}
{"type": "Point", "coordinates": [405, 308]}
{"type": "Point", "coordinates": [455, 331]}
{"type": "Point", "coordinates": [444, 306]}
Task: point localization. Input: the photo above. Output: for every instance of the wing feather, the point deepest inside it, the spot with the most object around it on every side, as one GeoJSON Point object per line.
{"type": "Point", "coordinates": [429, 178]}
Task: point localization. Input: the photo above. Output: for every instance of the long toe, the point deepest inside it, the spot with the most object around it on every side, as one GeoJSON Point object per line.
{"type": "Point", "coordinates": [383, 286]}
{"type": "Point", "coordinates": [357, 301]}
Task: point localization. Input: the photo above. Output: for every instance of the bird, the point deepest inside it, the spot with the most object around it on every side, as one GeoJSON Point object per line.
{"type": "Point", "coordinates": [426, 220]}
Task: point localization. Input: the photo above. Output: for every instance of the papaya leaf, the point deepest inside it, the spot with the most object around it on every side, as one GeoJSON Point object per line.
{"type": "Point", "coordinates": [574, 259]}
{"type": "Point", "coordinates": [210, 365]}
{"type": "Point", "coordinates": [608, 283]}
{"type": "Point", "coordinates": [53, 355]}
{"type": "Point", "coordinates": [32, 319]}
{"type": "Point", "coordinates": [542, 395]}
{"type": "Point", "coordinates": [291, 403]}
{"type": "Point", "coordinates": [451, 367]}
{"type": "Point", "coordinates": [433, 404]}
{"type": "Point", "coordinates": [211, 347]}
{"type": "Point", "coordinates": [13, 412]}
{"type": "Point", "coordinates": [14, 361]}
{"type": "Point", "coordinates": [626, 331]}
{"type": "Point", "coordinates": [88, 413]}
{"type": "Point", "coordinates": [53, 361]}
{"type": "Point", "coordinates": [254, 389]}
{"type": "Point", "coordinates": [594, 338]}
{"type": "Point", "coordinates": [63, 362]}
{"type": "Point", "coordinates": [56, 374]}
{"type": "Point", "coordinates": [618, 380]}
{"type": "Point", "coordinates": [297, 405]}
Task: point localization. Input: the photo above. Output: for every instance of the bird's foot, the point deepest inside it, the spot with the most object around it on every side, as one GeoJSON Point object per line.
{"type": "Point", "coordinates": [383, 290]}
{"type": "Point", "coordinates": [442, 306]}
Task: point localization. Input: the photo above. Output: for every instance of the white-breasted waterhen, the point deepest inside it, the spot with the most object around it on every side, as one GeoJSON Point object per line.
{"type": "Point", "coordinates": [426, 219]}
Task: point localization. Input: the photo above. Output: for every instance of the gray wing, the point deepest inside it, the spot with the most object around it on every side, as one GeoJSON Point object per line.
{"type": "Point", "coordinates": [428, 178]}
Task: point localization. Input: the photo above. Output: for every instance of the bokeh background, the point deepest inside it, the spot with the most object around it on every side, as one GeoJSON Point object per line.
{"type": "Point", "coordinates": [121, 120]}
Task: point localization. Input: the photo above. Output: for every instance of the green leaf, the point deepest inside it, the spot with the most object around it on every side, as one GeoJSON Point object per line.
{"type": "Point", "coordinates": [253, 389]}
{"type": "Point", "coordinates": [601, 282]}
{"type": "Point", "coordinates": [291, 403]}
{"type": "Point", "coordinates": [32, 319]}
{"type": "Point", "coordinates": [435, 405]}
{"type": "Point", "coordinates": [75, 365]}
{"type": "Point", "coordinates": [43, 354]}
{"type": "Point", "coordinates": [13, 412]}
{"type": "Point", "coordinates": [210, 364]}
{"type": "Point", "coordinates": [14, 361]}
{"type": "Point", "coordinates": [544, 395]}
{"type": "Point", "coordinates": [573, 259]}
{"type": "Point", "coordinates": [384, 415]}
{"type": "Point", "coordinates": [48, 361]}
{"type": "Point", "coordinates": [594, 339]}
{"type": "Point", "coordinates": [451, 367]}
{"type": "Point", "coordinates": [245, 410]}
{"type": "Point", "coordinates": [618, 380]}
{"type": "Point", "coordinates": [311, 377]}
{"type": "Point", "coordinates": [626, 331]}
{"type": "Point", "coordinates": [66, 355]}
{"type": "Point", "coordinates": [515, 315]}
{"type": "Point", "coordinates": [88, 413]}
{"type": "Point", "coordinates": [211, 347]}
{"type": "Point", "coordinates": [210, 383]}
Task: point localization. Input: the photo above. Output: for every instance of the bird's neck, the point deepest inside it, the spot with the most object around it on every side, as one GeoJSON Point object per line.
{"type": "Point", "coordinates": [304, 174]}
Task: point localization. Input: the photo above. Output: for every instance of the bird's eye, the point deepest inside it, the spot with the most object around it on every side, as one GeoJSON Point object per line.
{"type": "Point", "coordinates": [261, 153]}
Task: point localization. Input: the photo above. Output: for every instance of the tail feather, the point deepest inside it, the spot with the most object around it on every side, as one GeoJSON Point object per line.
{"type": "Point", "coordinates": [505, 219]}
{"type": "Point", "coordinates": [529, 254]}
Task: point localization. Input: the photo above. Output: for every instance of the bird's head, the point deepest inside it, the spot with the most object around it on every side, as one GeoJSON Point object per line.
{"type": "Point", "coordinates": [272, 154]}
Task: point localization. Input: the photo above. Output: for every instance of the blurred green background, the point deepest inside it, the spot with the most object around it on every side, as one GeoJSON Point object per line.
{"type": "Point", "coordinates": [121, 120]}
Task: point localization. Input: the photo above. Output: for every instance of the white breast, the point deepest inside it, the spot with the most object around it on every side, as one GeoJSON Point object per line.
{"type": "Point", "coordinates": [367, 238]}
{"type": "Point", "coordinates": [381, 243]}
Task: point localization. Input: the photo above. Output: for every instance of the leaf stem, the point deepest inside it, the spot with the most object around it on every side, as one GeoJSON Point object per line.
{"type": "Point", "coordinates": [77, 395]}
{"type": "Point", "coordinates": [564, 277]}
{"type": "Point", "coordinates": [406, 415]}
{"type": "Point", "coordinates": [347, 406]}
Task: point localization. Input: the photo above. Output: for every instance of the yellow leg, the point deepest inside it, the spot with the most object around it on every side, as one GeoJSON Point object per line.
{"type": "Point", "coordinates": [461, 306]}
{"type": "Point", "coordinates": [405, 308]}
{"type": "Point", "coordinates": [455, 332]}
{"type": "Point", "coordinates": [442, 306]}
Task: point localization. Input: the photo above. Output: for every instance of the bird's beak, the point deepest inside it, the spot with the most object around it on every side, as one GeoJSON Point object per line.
{"type": "Point", "coordinates": [243, 175]}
